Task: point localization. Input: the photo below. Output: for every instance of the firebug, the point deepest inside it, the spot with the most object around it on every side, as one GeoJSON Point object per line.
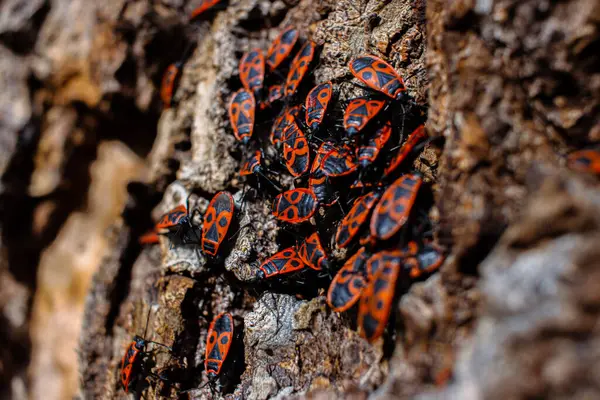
{"type": "Point", "coordinates": [347, 285]}
{"type": "Point", "coordinates": [218, 343]}
{"type": "Point", "coordinates": [299, 66]}
{"type": "Point", "coordinates": [281, 47]}
{"type": "Point", "coordinates": [378, 75]}
{"type": "Point", "coordinates": [312, 252]}
{"type": "Point", "coordinates": [252, 70]}
{"type": "Point", "coordinates": [393, 210]}
{"type": "Point", "coordinates": [296, 152]}
{"type": "Point", "coordinates": [284, 262]}
{"type": "Point", "coordinates": [242, 107]}
{"type": "Point", "coordinates": [169, 83]}
{"type": "Point", "coordinates": [359, 112]}
{"type": "Point", "coordinates": [295, 206]}
{"type": "Point", "coordinates": [339, 162]}
{"type": "Point", "coordinates": [349, 227]}
{"type": "Point", "coordinates": [585, 161]}
{"type": "Point", "coordinates": [204, 6]}
{"type": "Point", "coordinates": [367, 153]}
{"type": "Point", "coordinates": [283, 120]}
{"type": "Point", "coordinates": [316, 104]}
{"type": "Point", "coordinates": [413, 139]}
{"type": "Point", "coordinates": [217, 220]}
{"type": "Point", "coordinates": [318, 181]}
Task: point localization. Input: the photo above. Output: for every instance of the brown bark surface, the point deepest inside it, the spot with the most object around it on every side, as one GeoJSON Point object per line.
{"type": "Point", "coordinates": [89, 158]}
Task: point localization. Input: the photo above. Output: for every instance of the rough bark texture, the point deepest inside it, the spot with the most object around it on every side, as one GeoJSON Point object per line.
{"type": "Point", "coordinates": [88, 156]}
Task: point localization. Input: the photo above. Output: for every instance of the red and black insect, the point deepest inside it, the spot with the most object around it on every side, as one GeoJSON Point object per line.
{"type": "Point", "coordinates": [316, 104]}
{"type": "Point", "coordinates": [318, 181]}
{"type": "Point", "coordinates": [377, 298]}
{"type": "Point", "coordinates": [282, 47]}
{"type": "Point", "coordinates": [285, 118]}
{"type": "Point", "coordinates": [347, 285]}
{"type": "Point", "coordinates": [284, 262]}
{"type": "Point", "coordinates": [299, 66]}
{"type": "Point", "coordinates": [359, 112]}
{"type": "Point", "coordinates": [312, 252]}
{"type": "Point", "coordinates": [339, 162]}
{"type": "Point", "coordinates": [217, 220]}
{"type": "Point", "coordinates": [296, 152]}
{"type": "Point", "coordinates": [242, 107]}
{"type": "Point", "coordinates": [349, 227]}
{"type": "Point", "coordinates": [177, 226]}
{"type": "Point", "coordinates": [368, 153]}
{"type": "Point", "coordinates": [585, 161]}
{"type": "Point", "coordinates": [169, 83]}
{"type": "Point", "coordinates": [274, 94]}
{"type": "Point", "coordinates": [134, 369]}
{"type": "Point", "coordinates": [252, 70]}
{"type": "Point", "coordinates": [295, 206]}
{"type": "Point", "coordinates": [252, 165]}
{"type": "Point", "coordinates": [204, 6]}
{"type": "Point", "coordinates": [418, 261]}
{"type": "Point", "coordinates": [393, 210]}
{"type": "Point", "coordinates": [218, 343]}
{"type": "Point", "coordinates": [378, 75]}
{"type": "Point", "coordinates": [413, 139]}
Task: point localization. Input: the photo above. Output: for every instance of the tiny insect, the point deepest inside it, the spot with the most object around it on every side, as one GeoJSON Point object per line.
{"type": "Point", "coordinates": [284, 262]}
{"type": "Point", "coordinates": [217, 220]}
{"type": "Point", "coordinates": [347, 285]}
{"type": "Point", "coordinates": [274, 94]}
{"type": "Point", "coordinates": [177, 225]}
{"type": "Point", "coordinates": [339, 162]}
{"type": "Point", "coordinates": [312, 252]}
{"type": "Point", "coordinates": [377, 298]}
{"type": "Point", "coordinates": [585, 161]}
{"type": "Point", "coordinates": [378, 75]}
{"type": "Point", "coordinates": [368, 153]}
{"type": "Point", "coordinates": [418, 261]}
{"type": "Point", "coordinates": [299, 66]}
{"type": "Point", "coordinates": [349, 227]}
{"type": "Point", "coordinates": [241, 114]}
{"type": "Point", "coordinates": [204, 6]}
{"type": "Point", "coordinates": [318, 181]}
{"type": "Point", "coordinates": [283, 120]}
{"type": "Point", "coordinates": [218, 343]}
{"type": "Point", "coordinates": [316, 104]}
{"type": "Point", "coordinates": [359, 112]}
{"type": "Point", "coordinates": [413, 139]}
{"type": "Point", "coordinates": [169, 83]}
{"type": "Point", "coordinates": [252, 165]}
{"type": "Point", "coordinates": [295, 206]}
{"type": "Point", "coordinates": [252, 70]}
{"type": "Point", "coordinates": [296, 152]}
{"type": "Point", "coordinates": [134, 362]}
{"type": "Point", "coordinates": [281, 47]}
{"type": "Point", "coordinates": [393, 210]}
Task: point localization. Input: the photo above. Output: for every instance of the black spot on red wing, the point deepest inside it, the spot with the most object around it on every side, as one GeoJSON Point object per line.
{"type": "Point", "coordinates": [211, 339]}
{"type": "Point", "coordinates": [224, 340]}
{"type": "Point", "coordinates": [294, 196]}
{"type": "Point", "coordinates": [223, 222]}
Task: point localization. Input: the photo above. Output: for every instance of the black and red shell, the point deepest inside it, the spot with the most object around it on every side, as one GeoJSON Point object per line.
{"type": "Point", "coordinates": [281, 123]}
{"type": "Point", "coordinates": [393, 210]}
{"type": "Point", "coordinates": [350, 225]}
{"type": "Point", "coordinates": [368, 153]}
{"type": "Point", "coordinates": [339, 162]}
{"type": "Point", "coordinates": [295, 206]}
{"type": "Point", "coordinates": [131, 363]}
{"type": "Point", "coordinates": [204, 6]}
{"type": "Point", "coordinates": [284, 262]}
{"type": "Point", "coordinates": [378, 75]}
{"type": "Point", "coordinates": [316, 104]}
{"type": "Point", "coordinates": [359, 112]}
{"type": "Point", "coordinates": [172, 219]}
{"type": "Point", "coordinates": [252, 165]}
{"type": "Point", "coordinates": [413, 139]}
{"type": "Point", "coordinates": [318, 181]}
{"type": "Point", "coordinates": [217, 220]}
{"type": "Point", "coordinates": [347, 285]}
{"type": "Point", "coordinates": [281, 47]}
{"type": "Point", "coordinates": [296, 152]}
{"type": "Point", "coordinates": [218, 343]}
{"type": "Point", "coordinates": [299, 67]}
{"type": "Point", "coordinates": [242, 108]}
{"type": "Point", "coordinates": [377, 298]}
{"type": "Point", "coordinates": [252, 70]}
{"type": "Point", "coordinates": [312, 252]}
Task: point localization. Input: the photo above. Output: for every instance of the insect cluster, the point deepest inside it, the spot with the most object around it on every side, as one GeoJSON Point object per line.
{"type": "Point", "coordinates": [352, 187]}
